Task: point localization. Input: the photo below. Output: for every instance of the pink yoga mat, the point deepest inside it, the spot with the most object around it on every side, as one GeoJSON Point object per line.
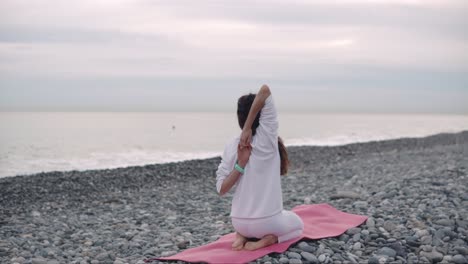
{"type": "Point", "coordinates": [320, 221]}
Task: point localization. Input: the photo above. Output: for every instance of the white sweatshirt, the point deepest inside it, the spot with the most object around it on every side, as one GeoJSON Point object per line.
{"type": "Point", "coordinates": [258, 191]}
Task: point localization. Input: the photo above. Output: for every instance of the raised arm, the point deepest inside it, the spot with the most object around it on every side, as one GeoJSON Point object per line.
{"type": "Point", "coordinates": [243, 156]}
{"type": "Point", "coordinates": [257, 105]}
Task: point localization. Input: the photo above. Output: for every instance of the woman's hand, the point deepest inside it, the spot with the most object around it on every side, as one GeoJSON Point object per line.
{"type": "Point", "coordinates": [245, 137]}
{"type": "Point", "coordinates": [243, 154]}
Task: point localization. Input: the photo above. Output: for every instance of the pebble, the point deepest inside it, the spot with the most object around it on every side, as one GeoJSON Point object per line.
{"type": "Point", "coordinates": [309, 257]}
{"type": "Point", "coordinates": [38, 261]}
{"type": "Point", "coordinates": [387, 252]}
{"type": "Point", "coordinates": [462, 250]}
{"type": "Point", "coordinates": [432, 256]}
{"type": "Point", "coordinates": [295, 261]}
{"type": "Point", "coordinates": [345, 194]}
{"type": "Point", "coordinates": [306, 247]}
{"type": "Point", "coordinates": [370, 222]}
{"type": "Point", "coordinates": [459, 259]}
{"type": "Point", "coordinates": [322, 258]}
{"type": "Point", "coordinates": [357, 246]}
{"type": "Point", "coordinates": [353, 231]}
{"type": "Point", "coordinates": [294, 255]}
{"type": "Point", "coordinates": [361, 204]}
{"type": "Point", "coordinates": [426, 240]}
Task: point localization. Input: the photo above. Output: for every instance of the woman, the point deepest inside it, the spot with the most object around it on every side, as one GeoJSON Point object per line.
{"type": "Point", "coordinates": [252, 163]}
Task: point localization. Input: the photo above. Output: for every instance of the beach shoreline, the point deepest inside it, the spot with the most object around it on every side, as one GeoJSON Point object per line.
{"type": "Point", "coordinates": [413, 189]}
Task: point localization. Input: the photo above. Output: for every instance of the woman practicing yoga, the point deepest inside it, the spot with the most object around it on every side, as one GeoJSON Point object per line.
{"type": "Point", "coordinates": [252, 163]}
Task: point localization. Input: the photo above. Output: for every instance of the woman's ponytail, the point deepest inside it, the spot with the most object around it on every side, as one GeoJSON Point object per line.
{"type": "Point", "coordinates": [283, 156]}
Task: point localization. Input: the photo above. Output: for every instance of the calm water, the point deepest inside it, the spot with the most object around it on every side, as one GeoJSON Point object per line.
{"type": "Point", "coordinates": [35, 142]}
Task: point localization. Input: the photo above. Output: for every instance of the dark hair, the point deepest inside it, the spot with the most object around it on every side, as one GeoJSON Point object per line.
{"type": "Point", "coordinates": [243, 108]}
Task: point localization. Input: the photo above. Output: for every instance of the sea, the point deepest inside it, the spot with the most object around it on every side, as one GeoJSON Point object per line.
{"type": "Point", "coordinates": [33, 142]}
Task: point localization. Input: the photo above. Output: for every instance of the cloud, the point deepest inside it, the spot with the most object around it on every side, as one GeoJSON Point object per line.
{"type": "Point", "coordinates": [336, 44]}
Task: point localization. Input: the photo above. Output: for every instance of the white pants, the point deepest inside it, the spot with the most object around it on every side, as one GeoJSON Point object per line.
{"type": "Point", "coordinates": [285, 225]}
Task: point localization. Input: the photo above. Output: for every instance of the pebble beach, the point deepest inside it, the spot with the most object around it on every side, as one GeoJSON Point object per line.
{"type": "Point", "coordinates": [414, 191]}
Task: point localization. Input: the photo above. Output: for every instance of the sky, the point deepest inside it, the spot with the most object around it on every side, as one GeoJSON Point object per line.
{"type": "Point", "coordinates": [371, 56]}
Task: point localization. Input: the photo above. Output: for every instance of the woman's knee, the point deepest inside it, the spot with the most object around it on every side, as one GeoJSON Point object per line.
{"type": "Point", "coordinates": [295, 221]}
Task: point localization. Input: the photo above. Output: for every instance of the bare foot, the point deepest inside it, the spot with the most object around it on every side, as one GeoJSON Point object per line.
{"type": "Point", "coordinates": [238, 244]}
{"type": "Point", "coordinates": [264, 242]}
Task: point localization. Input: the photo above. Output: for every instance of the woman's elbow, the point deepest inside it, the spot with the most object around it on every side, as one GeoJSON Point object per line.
{"type": "Point", "coordinates": [265, 90]}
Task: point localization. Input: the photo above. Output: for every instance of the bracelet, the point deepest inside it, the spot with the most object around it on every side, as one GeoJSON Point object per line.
{"type": "Point", "coordinates": [239, 168]}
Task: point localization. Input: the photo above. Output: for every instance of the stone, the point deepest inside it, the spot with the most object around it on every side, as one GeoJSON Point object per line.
{"type": "Point", "coordinates": [168, 253]}
{"type": "Point", "coordinates": [183, 244]}
{"type": "Point", "coordinates": [459, 259]}
{"type": "Point", "coordinates": [444, 222]}
{"type": "Point", "coordinates": [306, 247]}
{"type": "Point", "coordinates": [295, 261]}
{"type": "Point", "coordinates": [38, 261]}
{"type": "Point", "coordinates": [386, 251]}
{"type": "Point", "coordinates": [462, 250]}
{"type": "Point", "coordinates": [284, 260]}
{"type": "Point", "coordinates": [353, 230]}
{"type": "Point", "coordinates": [421, 233]}
{"type": "Point", "coordinates": [426, 240]}
{"type": "Point", "coordinates": [102, 256]}
{"type": "Point", "coordinates": [370, 222]}
{"type": "Point", "coordinates": [322, 258]}
{"type": "Point", "coordinates": [373, 260]}
{"type": "Point", "coordinates": [344, 237]}
{"type": "Point", "coordinates": [294, 255]}
{"type": "Point", "coordinates": [357, 246]}
{"type": "Point", "coordinates": [427, 248]}
{"type": "Point", "coordinates": [344, 194]}
{"type": "Point", "coordinates": [19, 260]}
{"type": "Point", "coordinates": [432, 256]}
{"type": "Point", "coordinates": [309, 257]}
{"type": "Point", "coordinates": [389, 226]}
{"type": "Point", "coordinates": [398, 247]}
{"type": "Point", "coordinates": [356, 237]}
{"type": "Point", "coordinates": [361, 204]}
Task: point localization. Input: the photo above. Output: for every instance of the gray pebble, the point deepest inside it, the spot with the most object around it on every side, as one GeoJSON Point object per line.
{"type": "Point", "coordinates": [294, 255]}
{"type": "Point", "coordinates": [322, 258]}
{"type": "Point", "coordinates": [462, 250]}
{"type": "Point", "coordinates": [426, 240]}
{"type": "Point", "coordinates": [370, 222]}
{"type": "Point", "coordinates": [432, 256]}
{"type": "Point", "coordinates": [306, 247]}
{"type": "Point", "coordinates": [373, 260]}
{"type": "Point", "coordinates": [38, 261]}
{"type": "Point", "coordinates": [309, 257]}
{"type": "Point", "coordinates": [353, 231]}
{"type": "Point", "coordinates": [295, 261]}
{"type": "Point", "coordinates": [357, 246]}
{"type": "Point", "coordinates": [386, 251]}
{"type": "Point", "coordinates": [459, 259]}
{"type": "Point", "coordinates": [361, 204]}
{"type": "Point", "coordinates": [356, 237]}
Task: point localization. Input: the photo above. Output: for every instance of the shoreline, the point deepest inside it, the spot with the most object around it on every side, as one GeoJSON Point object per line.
{"type": "Point", "coordinates": [293, 146]}
{"type": "Point", "coordinates": [414, 191]}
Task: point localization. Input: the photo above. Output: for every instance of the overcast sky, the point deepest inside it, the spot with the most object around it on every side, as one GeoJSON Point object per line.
{"type": "Point", "coordinates": [396, 56]}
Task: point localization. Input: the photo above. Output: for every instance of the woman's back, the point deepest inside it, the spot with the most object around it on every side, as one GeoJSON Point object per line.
{"type": "Point", "coordinates": [258, 193]}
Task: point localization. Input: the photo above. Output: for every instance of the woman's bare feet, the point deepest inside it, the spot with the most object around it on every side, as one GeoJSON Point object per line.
{"type": "Point", "coordinates": [264, 242]}
{"type": "Point", "coordinates": [238, 244]}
